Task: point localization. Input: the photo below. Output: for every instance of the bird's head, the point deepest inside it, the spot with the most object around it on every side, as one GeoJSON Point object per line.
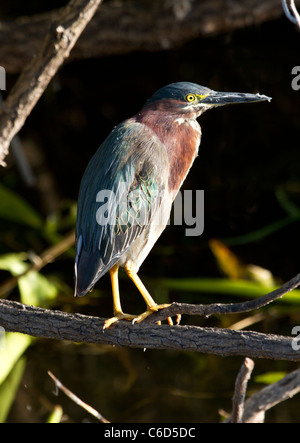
{"type": "Point", "coordinates": [192, 99]}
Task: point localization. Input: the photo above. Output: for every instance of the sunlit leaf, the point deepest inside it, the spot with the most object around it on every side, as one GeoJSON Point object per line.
{"type": "Point", "coordinates": [9, 388]}
{"type": "Point", "coordinates": [227, 261]}
{"type": "Point", "coordinates": [16, 209]}
{"type": "Point", "coordinates": [261, 275]}
{"type": "Point", "coordinates": [56, 415]}
{"type": "Point", "coordinates": [15, 345]}
{"type": "Point", "coordinates": [269, 377]}
{"type": "Point", "coordinates": [14, 263]}
{"type": "Point", "coordinates": [36, 289]}
{"type": "Point", "coordinates": [230, 264]}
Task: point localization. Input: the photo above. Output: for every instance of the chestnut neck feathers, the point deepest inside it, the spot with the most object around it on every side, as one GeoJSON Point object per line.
{"type": "Point", "coordinates": [179, 132]}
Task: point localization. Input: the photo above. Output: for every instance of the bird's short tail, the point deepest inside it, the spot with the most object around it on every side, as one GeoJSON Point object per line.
{"type": "Point", "coordinates": [87, 272]}
{"type": "Point", "coordinates": [89, 268]}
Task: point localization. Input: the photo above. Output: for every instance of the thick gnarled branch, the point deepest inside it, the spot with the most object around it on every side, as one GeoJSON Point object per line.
{"type": "Point", "coordinates": [122, 27]}
{"type": "Point", "coordinates": [37, 322]}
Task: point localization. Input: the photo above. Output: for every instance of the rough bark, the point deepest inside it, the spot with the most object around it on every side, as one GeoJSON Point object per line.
{"type": "Point", "coordinates": [38, 322]}
{"type": "Point", "coordinates": [136, 25]}
{"type": "Point", "coordinates": [54, 49]}
{"type": "Point", "coordinates": [257, 405]}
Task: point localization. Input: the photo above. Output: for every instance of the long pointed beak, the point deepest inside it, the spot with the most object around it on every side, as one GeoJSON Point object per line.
{"type": "Point", "coordinates": [227, 98]}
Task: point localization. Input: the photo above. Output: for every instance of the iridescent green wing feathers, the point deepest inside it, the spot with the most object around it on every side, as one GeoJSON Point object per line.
{"type": "Point", "coordinates": [120, 192]}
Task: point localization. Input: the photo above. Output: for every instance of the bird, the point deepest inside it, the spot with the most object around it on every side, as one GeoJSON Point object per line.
{"type": "Point", "coordinates": [129, 185]}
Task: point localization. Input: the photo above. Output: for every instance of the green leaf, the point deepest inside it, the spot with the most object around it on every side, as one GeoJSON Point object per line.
{"type": "Point", "coordinates": [16, 209]}
{"type": "Point", "coordinates": [14, 263]}
{"type": "Point", "coordinates": [9, 388]}
{"type": "Point", "coordinates": [259, 234]}
{"type": "Point", "coordinates": [56, 415]}
{"type": "Point", "coordinates": [36, 289]}
{"type": "Point", "coordinates": [269, 377]}
{"type": "Point", "coordinates": [290, 208]}
{"type": "Point", "coordinates": [15, 345]}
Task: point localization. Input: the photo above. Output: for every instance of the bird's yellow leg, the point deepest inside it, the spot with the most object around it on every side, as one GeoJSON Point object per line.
{"type": "Point", "coordinates": [151, 305]}
{"type": "Point", "coordinates": [117, 309]}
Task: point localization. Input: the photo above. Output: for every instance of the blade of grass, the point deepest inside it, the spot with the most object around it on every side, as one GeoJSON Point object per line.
{"type": "Point", "coordinates": [259, 234]}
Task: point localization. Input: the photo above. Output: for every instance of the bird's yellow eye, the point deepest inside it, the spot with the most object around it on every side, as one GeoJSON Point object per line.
{"type": "Point", "coordinates": [190, 98]}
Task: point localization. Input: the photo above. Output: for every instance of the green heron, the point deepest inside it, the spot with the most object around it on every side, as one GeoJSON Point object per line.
{"type": "Point", "coordinates": [130, 184]}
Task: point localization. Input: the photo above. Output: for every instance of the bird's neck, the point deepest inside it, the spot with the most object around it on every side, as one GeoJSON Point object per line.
{"type": "Point", "coordinates": [180, 133]}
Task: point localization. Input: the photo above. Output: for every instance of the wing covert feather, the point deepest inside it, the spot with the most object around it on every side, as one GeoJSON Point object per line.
{"type": "Point", "coordinates": [121, 190]}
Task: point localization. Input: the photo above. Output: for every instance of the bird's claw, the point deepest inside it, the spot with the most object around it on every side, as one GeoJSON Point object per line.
{"type": "Point", "coordinates": [151, 310]}
{"type": "Point", "coordinates": [118, 316]}
{"type": "Point", "coordinates": [139, 318]}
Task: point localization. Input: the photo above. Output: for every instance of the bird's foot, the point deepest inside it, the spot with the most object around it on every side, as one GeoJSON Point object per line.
{"type": "Point", "coordinates": [139, 318]}
{"type": "Point", "coordinates": [118, 316]}
{"type": "Point", "coordinates": [151, 310]}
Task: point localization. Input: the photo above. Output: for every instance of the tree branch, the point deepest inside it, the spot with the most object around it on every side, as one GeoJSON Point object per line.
{"type": "Point", "coordinates": [256, 406]}
{"type": "Point", "coordinates": [63, 34]}
{"type": "Point", "coordinates": [240, 390]}
{"type": "Point", "coordinates": [122, 27]}
{"type": "Point", "coordinates": [38, 322]}
{"type": "Point", "coordinates": [225, 308]}
{"type": "Point", "coordinates": [77, 400]}
{"type": "Point", "coordinates": [271, 396]}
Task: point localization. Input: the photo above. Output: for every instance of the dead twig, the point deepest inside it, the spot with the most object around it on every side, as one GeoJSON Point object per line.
{"type": "Point", "coordinates": [241, 384]}
{"type": "Point", "coordinates": [76, 399]}
{"type": "Point", "coordinates": [256, 406]}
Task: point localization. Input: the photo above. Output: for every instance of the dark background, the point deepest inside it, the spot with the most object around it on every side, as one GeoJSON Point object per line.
{"type": "Point", "coordinates": [248, 154]}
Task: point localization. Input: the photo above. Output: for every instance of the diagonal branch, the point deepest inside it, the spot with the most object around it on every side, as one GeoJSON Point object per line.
{"type": "Point", "coordinates": [225, 308]}
{"type": "Point", "coordinates": [256, 406]}
{"type": "Point", "coordinates": [240, 390]}
{"type": "Point", "coordinates": [35, 77]}
{"type": "Point", "coordinates": [76, 399]}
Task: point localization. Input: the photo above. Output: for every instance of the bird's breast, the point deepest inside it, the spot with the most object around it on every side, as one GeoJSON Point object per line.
{"type": "Point", "coordinates": [180, 134]}
{"type": "Point", "coordinates": [182, 148]}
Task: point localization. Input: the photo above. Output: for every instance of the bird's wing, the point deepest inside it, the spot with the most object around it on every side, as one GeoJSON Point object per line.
{"type": "Point", "coordinates": [120, 192]}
